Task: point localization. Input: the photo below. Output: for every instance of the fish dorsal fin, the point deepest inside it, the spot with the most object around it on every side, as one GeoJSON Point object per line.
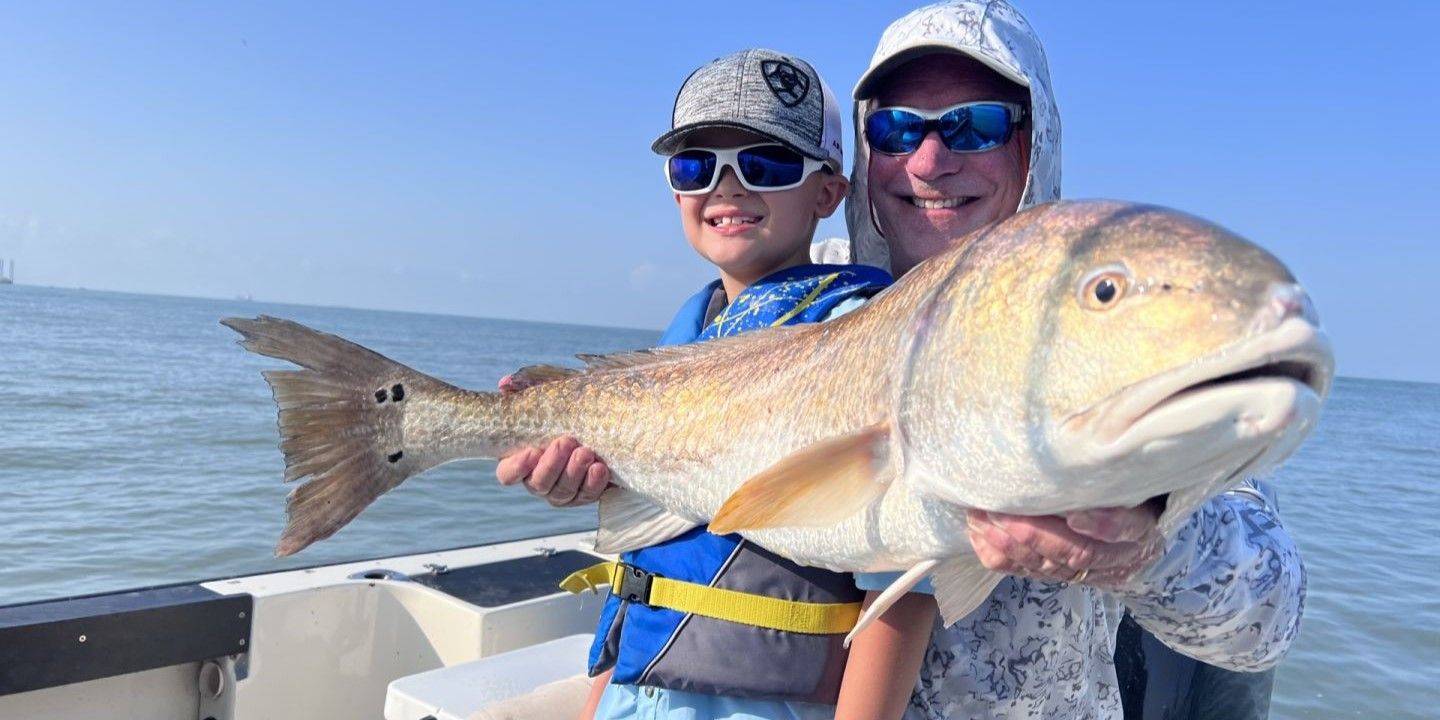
{"type": "Point", "coordinates": [961, 584]}
{"type": "Point", "coordinates": [673, 353]}
{"type": "Point", "coordinates": [628, 521]}
{"type": "Point", "coordinates": [634, 358]}
{"type": "Point", "coordinates": [532, 375]}
{"type": "Point", "coordinates": [819, 485]}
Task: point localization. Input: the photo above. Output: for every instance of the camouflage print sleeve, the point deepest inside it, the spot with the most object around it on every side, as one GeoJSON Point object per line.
{"type": "Point", "coordinates": [1231, 587]}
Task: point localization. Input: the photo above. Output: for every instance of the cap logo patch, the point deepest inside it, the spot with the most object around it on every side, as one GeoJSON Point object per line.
{"type": "Point", "coordinates": [786, 81]}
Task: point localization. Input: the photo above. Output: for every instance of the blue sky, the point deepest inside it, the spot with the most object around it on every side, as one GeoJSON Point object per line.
{"type": "Point", "coordinates": [492, 159]}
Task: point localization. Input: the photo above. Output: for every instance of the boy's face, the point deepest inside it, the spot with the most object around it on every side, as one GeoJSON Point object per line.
{"type": "Point", "coordinates": [747, 234]}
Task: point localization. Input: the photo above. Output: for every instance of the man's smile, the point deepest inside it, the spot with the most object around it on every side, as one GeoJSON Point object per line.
{"type": "Point", "coordinates": [940, 203]}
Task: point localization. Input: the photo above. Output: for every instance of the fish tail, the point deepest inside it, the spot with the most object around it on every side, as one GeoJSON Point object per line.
{"type": "Point", "coordinates": [342, 423]}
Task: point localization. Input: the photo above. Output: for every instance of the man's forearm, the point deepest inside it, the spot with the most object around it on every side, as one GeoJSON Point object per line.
{"type": "Point", "coordinates": [1229, 590]}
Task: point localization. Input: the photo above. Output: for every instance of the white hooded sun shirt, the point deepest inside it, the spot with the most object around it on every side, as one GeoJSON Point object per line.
{"type": "Point", "coordinates": [1230, 588]}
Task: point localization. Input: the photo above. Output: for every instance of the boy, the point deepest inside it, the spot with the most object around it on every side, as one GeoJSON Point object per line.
{"type": "Point", "coordinates": [754, 161]}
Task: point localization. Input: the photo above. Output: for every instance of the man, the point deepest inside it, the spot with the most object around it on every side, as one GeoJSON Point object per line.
{"type": "Point", "coordinates": [1043, 643]}
{"type": "Point", "coordinates": [1226, 586]}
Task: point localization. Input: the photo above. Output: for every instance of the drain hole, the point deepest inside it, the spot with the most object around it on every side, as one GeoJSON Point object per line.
{"type": "Point", "coordinates": [379, 574]}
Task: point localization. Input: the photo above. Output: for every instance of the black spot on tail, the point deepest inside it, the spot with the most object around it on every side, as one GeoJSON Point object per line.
{"type": "Point", "coordinates": [395, 393]}
{"type": "Point", "coordinates": [395, 456]}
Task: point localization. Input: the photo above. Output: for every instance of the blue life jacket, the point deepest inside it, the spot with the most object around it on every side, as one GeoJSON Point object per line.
{"type": "Point", "coordinates": [666, 648]}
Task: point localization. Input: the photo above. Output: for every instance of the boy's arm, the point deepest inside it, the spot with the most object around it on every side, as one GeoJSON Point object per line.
{"type": "Point", "coordinates": [597, 688]}
{"type": "Point", "coordinates": [885, 660]}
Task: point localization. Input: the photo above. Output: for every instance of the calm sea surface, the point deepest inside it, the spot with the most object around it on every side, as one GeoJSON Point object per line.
{"type": "Point", "coordinates": [138, 446]}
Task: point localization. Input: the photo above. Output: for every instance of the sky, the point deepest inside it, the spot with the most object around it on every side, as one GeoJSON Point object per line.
{"type": "Point", "coordinates": [492, 159]}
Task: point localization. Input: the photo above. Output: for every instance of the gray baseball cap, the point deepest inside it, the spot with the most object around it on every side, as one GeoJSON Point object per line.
{"type": "Point", "coordinates": [765, 92]}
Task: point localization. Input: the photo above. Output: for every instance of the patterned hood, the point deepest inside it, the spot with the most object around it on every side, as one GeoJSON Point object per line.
{"type": "Point", "coordinates": [997, 35]}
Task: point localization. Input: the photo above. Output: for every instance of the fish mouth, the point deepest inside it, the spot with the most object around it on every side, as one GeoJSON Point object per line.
{"type": "Point", "coordinates": [1256, 387]}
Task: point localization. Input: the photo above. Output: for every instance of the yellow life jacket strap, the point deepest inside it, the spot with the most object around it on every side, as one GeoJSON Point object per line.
{"type": "Point", "coordinates": [636, 585]}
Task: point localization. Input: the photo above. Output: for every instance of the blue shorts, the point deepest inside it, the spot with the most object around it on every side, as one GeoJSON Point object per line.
{"type": "Point", "coordinates": [633, 702]}
{"type": "Point", "coordinates": [880, 581]}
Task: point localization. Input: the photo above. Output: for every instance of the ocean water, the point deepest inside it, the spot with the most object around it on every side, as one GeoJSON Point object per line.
{"type": "Point", "coordinates": [138, 447]}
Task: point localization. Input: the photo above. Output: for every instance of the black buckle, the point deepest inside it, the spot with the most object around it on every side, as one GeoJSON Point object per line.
{"type": "Point", "coordinates": [634, 584]}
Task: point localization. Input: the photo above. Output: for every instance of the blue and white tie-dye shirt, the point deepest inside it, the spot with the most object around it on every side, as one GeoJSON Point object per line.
{"type": "Point", "coordinates": [1229, 591]}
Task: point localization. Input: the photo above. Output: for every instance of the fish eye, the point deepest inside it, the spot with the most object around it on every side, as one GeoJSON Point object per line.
{"type": "Point", "coordinates": [1103, 288]}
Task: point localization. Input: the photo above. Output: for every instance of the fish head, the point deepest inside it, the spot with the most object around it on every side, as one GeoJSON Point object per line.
{"type": "Point", "coordinates": [1112, 353]}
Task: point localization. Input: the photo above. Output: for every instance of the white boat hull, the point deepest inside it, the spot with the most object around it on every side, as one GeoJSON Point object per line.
{"type": "Point", "coordinates": [322, 642]}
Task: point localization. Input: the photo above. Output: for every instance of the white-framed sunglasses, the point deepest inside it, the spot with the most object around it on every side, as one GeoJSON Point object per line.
{"type": "Point", "coordinates": [764, 167]}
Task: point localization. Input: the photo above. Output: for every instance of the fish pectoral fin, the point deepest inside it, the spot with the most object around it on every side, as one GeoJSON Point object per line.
{"type": "Point", "coordinates": [961, 584]}
{"type": "Point", "coordinates": [889, 595]}
{"type": "Point", "coordinates": [817, 486]}
{"type": "Point", "coordinates": [630, 521]}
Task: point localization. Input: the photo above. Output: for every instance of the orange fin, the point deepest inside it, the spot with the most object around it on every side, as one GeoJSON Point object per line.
{"type": "Point", "coordinates": [819, 485]}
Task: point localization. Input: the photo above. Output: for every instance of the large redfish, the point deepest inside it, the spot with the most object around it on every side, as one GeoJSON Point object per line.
{"type": "Point", "coordinates": [1077, 355]}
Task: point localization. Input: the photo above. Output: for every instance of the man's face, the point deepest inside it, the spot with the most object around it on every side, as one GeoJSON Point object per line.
{"type": "Point", "coordinates": [926, 200]}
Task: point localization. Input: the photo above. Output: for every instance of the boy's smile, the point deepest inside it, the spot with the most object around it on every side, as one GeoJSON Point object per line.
{"type": "Point", "coordinates": [731, 221]}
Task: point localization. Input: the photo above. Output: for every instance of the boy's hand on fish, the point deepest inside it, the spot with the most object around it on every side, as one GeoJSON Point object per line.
{"type": "Point", "coordinates": [565, 474]}
{"type": "Point", "coordinates": [1103, 548]}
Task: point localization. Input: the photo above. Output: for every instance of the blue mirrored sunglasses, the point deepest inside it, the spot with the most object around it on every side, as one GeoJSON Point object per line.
{"type": "Point", "coordinates": [766, 167]}
{"type": "Point", "coordinates": [965, 128]}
